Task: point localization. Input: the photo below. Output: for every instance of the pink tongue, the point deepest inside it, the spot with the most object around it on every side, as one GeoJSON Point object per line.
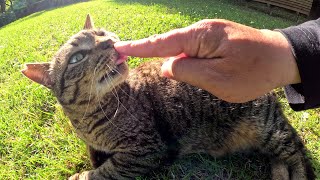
{"type": "Point", "coordinates": [121, 59]}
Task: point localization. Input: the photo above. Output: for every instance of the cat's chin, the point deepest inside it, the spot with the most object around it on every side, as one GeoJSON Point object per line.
{"type": "Point", "coordinates": [114, 74]}
{"type": "Point", "coordinates": [112, 79]}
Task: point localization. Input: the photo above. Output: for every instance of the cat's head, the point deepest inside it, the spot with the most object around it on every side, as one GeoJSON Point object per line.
{"type": "Point", "coordinates": [87, 65]}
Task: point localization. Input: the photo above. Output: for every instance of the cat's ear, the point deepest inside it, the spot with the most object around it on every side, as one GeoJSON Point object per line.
{"type": "Point", "coordinates": [38, 72]}
{"type": "Point", "coordinates": [89, 23]}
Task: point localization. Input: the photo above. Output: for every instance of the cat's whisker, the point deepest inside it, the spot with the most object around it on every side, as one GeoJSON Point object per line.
{"type": "Point", "coordinates": [115, 94]}
{"type": "Point", "coordinates": [113, 88]}
{"type": "Point", "coordinates": [118, 96]}
{"type": "Point", "coordinates": [89, 99]}
{"type": "Point", "coordinates": [114, 69]}
{"type": "Point", "coordinates": [109, 119]}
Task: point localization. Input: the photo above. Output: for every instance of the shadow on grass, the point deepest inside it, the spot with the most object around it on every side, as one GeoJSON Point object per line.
{"type": "Point", "coordinates": [196, 167]}
{"type": "Point", "coordinates": [236, 166]}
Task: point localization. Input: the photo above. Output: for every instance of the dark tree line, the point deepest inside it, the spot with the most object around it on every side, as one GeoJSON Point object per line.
{"type": "Point", "coordinates": [8, 3]}
{"type": "Point", "coordinates": [4, 4]}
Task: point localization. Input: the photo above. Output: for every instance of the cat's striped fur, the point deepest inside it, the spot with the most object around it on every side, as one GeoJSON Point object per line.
{"type": "Point", "coordinates": [133, 121]}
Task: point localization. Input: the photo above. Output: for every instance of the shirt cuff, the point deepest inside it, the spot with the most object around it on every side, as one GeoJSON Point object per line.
{"type": "Point", "coordinates": [305, 43]}
{"type": "Point", "coordinates": [293, 96]}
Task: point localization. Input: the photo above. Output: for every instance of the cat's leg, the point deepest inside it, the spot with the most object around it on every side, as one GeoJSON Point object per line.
{"type": "Point", "coordinates": [292, 155]}
{"type": "Point", "coordinates": [276, 139]}
{"type": "Point", "coordinates": [279, 170]}
{"type": "Point", "coordinates": [123, 165]}
{"type": "Point", "coordinates": [97, 158]}
{"type": "Point", "coordinates": [282, 143]}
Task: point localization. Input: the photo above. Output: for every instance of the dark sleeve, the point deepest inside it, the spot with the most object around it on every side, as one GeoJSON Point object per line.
{"type": "Point", "coordinates": [305, 41]}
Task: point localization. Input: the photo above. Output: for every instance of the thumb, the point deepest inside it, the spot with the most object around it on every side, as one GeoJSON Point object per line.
{"type": "Point", "coordinates": [197, 72]}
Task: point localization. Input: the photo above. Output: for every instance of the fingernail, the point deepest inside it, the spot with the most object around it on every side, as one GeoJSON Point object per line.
{"type": "Point", "coordinates": [164, 71]}
{"type": "Point", "coordinates": [166, 68]}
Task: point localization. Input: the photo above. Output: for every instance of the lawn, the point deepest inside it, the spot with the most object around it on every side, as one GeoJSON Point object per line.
{"type": "Point", "coordinates": [38, 142]}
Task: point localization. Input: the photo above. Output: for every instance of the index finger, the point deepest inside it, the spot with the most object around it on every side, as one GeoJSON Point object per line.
{"type": "Point", "coordinates": [163, 45]}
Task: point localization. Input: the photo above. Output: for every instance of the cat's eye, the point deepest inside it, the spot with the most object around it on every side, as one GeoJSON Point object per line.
{"type": "Point", "coordinates": [77, 57]}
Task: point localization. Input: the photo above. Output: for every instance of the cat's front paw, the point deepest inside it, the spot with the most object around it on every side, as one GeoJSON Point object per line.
{"type": "Point", "coordinates": [82, 176]}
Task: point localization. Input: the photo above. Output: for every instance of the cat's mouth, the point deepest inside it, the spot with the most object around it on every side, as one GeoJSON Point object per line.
{"type": "Point", "coordinates": [115, 71]}
{"type": "Point", "coordinates": [112, 73]}
{"type": "Point", "coordinates": [121, 59]}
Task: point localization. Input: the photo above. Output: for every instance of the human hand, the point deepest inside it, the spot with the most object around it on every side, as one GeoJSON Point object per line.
{"type": "Point", "coordinates": [234, 62]}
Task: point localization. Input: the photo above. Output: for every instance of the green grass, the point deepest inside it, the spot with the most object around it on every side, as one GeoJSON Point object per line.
{"type": "Point", "coordinates": [37, 141]}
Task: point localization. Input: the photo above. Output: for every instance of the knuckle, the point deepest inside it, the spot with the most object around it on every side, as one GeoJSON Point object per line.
{"type": "Point", "coordinates": [154, 38]}
{"type": "Point", "coordinates": [212, 23]}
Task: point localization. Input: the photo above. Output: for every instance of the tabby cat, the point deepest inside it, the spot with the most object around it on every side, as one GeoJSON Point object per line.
{"type": "Point", "coordinates": [133, 121]}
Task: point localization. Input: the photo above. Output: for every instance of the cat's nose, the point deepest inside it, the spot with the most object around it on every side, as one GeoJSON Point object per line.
{"type": "Point", "coordinates": [106, 44]}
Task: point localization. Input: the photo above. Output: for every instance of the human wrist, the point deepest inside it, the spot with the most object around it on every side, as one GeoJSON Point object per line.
{"type": "Point", "coordinates": [283, 57]}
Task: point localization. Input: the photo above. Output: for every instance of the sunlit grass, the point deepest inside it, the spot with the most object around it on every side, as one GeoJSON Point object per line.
{"type": "Point", "coordinates": [37, 140]}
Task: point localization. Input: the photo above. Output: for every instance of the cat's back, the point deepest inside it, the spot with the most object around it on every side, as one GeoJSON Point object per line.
{"type": "Point", "coordinates": [180, 106]}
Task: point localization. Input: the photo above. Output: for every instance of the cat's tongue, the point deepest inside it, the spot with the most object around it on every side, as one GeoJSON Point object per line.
{"type": "Point", "coordinates": [121, 59]}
